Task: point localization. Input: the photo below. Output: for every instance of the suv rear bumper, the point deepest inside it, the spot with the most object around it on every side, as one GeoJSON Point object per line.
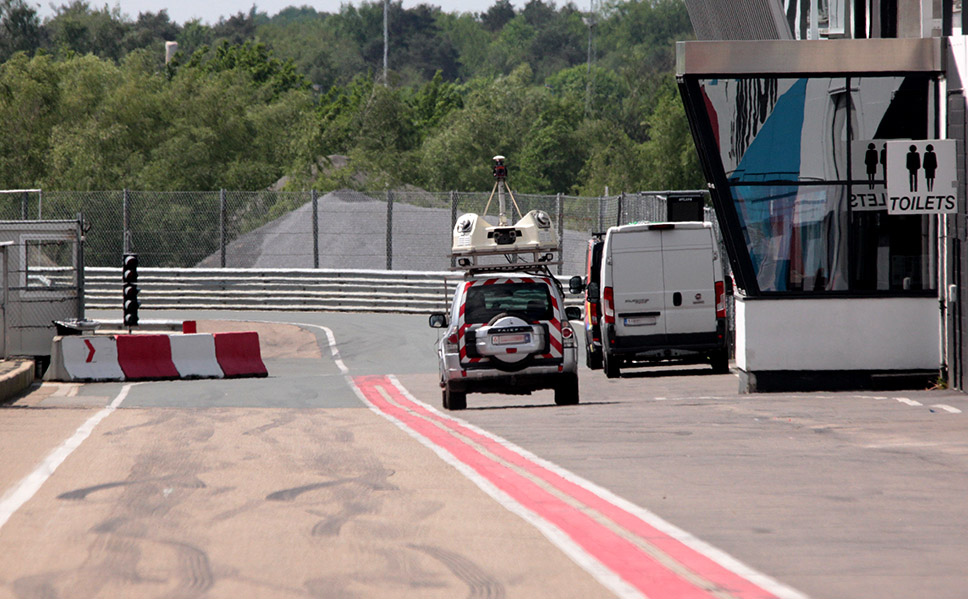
{"type": "Point", "coordinates": [481, 378]}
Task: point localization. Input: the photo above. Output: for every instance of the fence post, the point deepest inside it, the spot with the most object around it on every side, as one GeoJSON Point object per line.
{"type": "Point", "coordinates": [221, 226]}
{"type": "Point", "coordinates": [389, 230]}
{"type": "Point", "coordinates": [125, 222]}
{"type": "Point", "coordinates": [79, 260]}
{"type": "Point", "coordinates": [559, 208]}
{"type": "Point", "coordinates": [315, 230]}
{"type": "Point", "coordinates": [601, 214]}
{"type": "Point", "coordinates": [23, 205]}
{"type": "Point", "coordinates": [618, 218]}
{"type": "Point", "coordinates": [453, 223]}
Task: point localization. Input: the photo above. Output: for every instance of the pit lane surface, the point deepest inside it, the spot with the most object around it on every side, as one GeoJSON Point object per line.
{"type": "Point", "coordinates": [290, 486]}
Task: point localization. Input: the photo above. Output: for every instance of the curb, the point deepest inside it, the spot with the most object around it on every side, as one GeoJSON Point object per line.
{"type": "Point", "coordinates": [16, 380]}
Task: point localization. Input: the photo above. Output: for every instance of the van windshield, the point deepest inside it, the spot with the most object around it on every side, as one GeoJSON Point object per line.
{"type": "Point", "coordinates": [530, 301]}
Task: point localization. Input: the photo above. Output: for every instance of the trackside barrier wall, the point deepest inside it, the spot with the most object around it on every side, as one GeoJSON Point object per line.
{"type": "Point", "coordinates": [155, 357]}
{"type": "Point", "coordinates": [146, 357]}
{"type": "Point", "coordinates": [194, 356]}
{"type": "Point", "coordinates": [239, 355]}
{"type": "Point", "coordinates": [75, 358]}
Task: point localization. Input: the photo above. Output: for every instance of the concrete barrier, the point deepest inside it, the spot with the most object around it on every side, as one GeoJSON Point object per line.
{"type": "Point", "coordinates": [239, 355]}
{"type": "Point", "coordinates": [84, 358]}
{"type": "Point", "coordinates": [146, 357]}
{"type": "Point", "coordinates": [194, 356]}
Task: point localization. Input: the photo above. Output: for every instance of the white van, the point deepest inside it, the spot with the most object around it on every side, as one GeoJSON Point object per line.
{"type": "Point", "coordinates": [663, 296]}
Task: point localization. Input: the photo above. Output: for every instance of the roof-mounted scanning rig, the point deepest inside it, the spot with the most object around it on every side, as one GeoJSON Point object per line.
{"type": "Point", "coordinates": [529, 243]}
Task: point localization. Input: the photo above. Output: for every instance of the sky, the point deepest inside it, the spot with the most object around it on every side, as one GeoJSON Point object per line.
{"type": "Point", "coordinates": [210, 11]}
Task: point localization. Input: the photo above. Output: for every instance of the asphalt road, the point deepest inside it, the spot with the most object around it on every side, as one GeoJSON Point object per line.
{"type": "Point", "coordinates": [330, 479]}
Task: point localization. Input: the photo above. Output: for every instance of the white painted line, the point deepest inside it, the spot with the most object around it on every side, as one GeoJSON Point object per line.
{"type": "Point", "coordinates": [909, 402]}
{"type": "Point", "coordinates": [20, 494]}
{"type": "Point", "coordinates": [330, 337]}
{"type": "Point", "coordinates": [947, 408]}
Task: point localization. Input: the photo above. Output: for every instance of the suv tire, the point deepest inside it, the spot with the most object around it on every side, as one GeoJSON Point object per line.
{"type": "Point", "coordinates": [454, 400]}
{"type": "Point", "coordinates": [566, 391]}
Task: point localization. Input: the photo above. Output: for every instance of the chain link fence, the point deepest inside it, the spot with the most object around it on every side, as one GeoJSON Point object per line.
{"type": "Point", "coordinates": [382, 230]}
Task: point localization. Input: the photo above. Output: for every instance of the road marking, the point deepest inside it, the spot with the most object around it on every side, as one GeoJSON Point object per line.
{"type": "Point", "coordinates": [631, 551]}
{"type": "Point", "coordinates": [947, 408]}
{"type": "Point", "coordinates": [909, 402]}
{"type": "Point", "coordinates": [20, 494]}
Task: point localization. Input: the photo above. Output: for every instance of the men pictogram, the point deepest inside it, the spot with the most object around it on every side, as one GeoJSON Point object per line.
{"type": "Point", "coordinates": [913, 166]}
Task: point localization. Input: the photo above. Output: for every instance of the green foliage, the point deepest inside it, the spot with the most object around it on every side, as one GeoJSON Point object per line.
{"type": "Point", "coordinates": [576, 102]}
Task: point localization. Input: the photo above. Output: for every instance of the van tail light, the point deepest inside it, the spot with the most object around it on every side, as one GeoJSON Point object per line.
{"type": "Point", "coordinates": [591, 310]}
{"type": "Point", "coordinates": [720, 299]}
{"type": "Point", "coordinates": [608, 305]}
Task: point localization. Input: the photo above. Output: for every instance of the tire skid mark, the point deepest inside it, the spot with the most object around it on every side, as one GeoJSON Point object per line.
{"type": "Point", "coordinates": [479, 583]}
{"type": "Point", "coordinates": [656, 565]}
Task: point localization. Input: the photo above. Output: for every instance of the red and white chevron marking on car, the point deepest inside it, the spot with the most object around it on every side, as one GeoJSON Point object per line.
{"type": "Point", "coordinates": [554, 325]}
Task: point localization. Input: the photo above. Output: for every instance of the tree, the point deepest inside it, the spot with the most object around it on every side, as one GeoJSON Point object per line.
{"type": "Point", "coordinates": [19, 28]}
{"type": "Point", "coordinates": [498, 15]}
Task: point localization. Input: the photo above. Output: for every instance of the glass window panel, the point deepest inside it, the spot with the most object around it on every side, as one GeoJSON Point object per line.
{"type": "Point", "coordinates": [796, 235]}
{"type": "Point", "coordinates": [779, 129]}
{"type": "Point", "coordinates": [892, 252]}
{"type": "Point", "coordinates": [50, 264]}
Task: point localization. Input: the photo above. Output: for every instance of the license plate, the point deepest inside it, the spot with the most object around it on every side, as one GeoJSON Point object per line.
{"type": "Point", "coordinates": [640, 321]}
{"type": "Point", "coordinates": [510, 339]}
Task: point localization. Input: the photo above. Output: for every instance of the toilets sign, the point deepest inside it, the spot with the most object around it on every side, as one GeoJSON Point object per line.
{"type": "Point", "coordinates": [921, 177]}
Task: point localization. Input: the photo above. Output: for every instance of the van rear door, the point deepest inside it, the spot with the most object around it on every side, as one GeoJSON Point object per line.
{"type": "Point", "coordinates": [637, 285]}
{"type": "Point", "coordinates": [690, 293]}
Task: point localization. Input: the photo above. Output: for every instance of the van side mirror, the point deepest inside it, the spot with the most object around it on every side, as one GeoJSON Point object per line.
{"type": "Point", "coordinates": [575, 284]}
{"type": "Point", "coordinates": [438, 321]}
{"type": "Point", "coordinates": [593, 291]}
{"type": "Point", "coordinates": [573, 313]}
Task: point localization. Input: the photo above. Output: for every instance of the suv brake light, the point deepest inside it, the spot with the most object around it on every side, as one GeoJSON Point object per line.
{"type": "Point", "coordinates": [608, 305]}
{"type": "Point", "coordinates": [720, 299]}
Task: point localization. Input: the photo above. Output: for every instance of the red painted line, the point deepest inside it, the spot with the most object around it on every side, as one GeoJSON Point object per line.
{"type": "Point", "coordinates": [696, 562]}
{"type": "Point", "coordinates": [625, 559]}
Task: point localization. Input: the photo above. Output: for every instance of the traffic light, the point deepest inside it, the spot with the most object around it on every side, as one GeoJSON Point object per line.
{"type": "Point", "coordinates": [129, 276]}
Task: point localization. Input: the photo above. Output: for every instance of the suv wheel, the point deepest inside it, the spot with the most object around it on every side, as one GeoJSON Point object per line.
{"type": "Point", "coordinates": [454, 400]}
{"type": "Point", "coordinates": [610, 363]}
{"type": "Point", "coordinates": [566, 391]}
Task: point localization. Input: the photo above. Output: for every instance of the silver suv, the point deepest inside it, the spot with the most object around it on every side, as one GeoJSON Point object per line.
{"type": "Point", "coordinates": [507, 333]}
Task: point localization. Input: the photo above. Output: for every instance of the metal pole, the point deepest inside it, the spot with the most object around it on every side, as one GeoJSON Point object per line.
{"type": "Point", "coordinates": [315, 230]}
{"type": "Point", "coordinates": [221, 227]}
{"type": "Point", "coordinates": [386, 37]}
{"type": "Point", "coordinates": [389, 230]}
{"type": "Point", "coordinates": [125, 222]}
{"type": "Point", "coordinates": [559, 208]}
{"type": "Point", "coordinates": [453, 223]}
{"type": "Point", "coordinates": [618, 218]}
{"type": "Point", "coordinates": [80, 265]}
{"type": "Point", "coordinates": [23, 206]}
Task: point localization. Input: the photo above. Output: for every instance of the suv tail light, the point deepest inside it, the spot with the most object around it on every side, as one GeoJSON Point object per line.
{"type": "Point", "coordinates": [608, 305]}
{"type": "Point", "coordinates": [720, 299]}
{"type": "Point", "coordinates": [452, 341]}
{"type": "Point", "coordinates": [568, 336]}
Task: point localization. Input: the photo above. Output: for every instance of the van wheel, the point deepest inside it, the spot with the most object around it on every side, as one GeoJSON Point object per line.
{"type": "Point", "coordinates": [566, 391]}
{"type": "Point", "coordinates": [720, 361]}
{"type": "Point", "coordinates": [454, 400]}
{"type": "Point", "coordinates": [610, 363]}
{"type": "Point", "coordinates": [593, 358]}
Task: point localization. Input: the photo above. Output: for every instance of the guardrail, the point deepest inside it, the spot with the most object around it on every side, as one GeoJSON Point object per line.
{"type": "Point", "coordinates": [410, 292]}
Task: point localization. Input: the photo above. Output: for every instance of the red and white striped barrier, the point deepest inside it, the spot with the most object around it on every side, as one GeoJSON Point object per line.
{"type": "Point", "coordinates": [239, 354]}
{"type": "Point", "coordinates": [155, 357]}
{"type": "Point", "coordinates": [194, 356]}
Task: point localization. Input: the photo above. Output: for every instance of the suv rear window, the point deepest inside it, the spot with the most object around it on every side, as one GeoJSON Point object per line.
{"type": "Point", "coordinates": [484, 302]}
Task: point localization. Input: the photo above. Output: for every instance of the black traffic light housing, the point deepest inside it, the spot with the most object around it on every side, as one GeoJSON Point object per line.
{"type": "Point", "coordinates": [129, 278]}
